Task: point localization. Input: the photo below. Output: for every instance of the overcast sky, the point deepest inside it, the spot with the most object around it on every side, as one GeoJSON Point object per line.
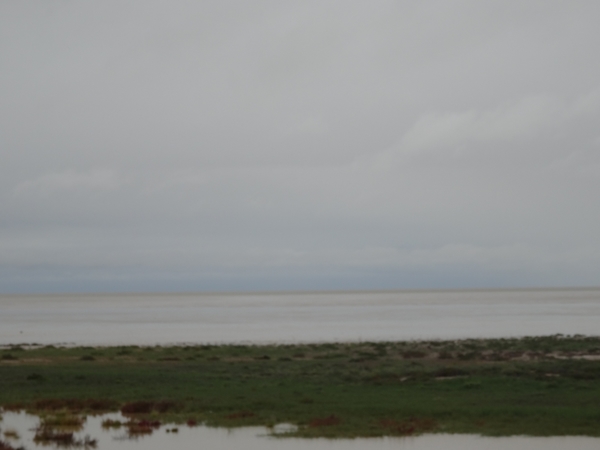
{"type": "Point", "coordinates": [235, 145]}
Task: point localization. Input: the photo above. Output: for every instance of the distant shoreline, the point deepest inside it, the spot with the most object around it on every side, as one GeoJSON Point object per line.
{"type": "Point", "coordinates": [416, 341]}
{"type": "Point", "coordinates": [294, 291]}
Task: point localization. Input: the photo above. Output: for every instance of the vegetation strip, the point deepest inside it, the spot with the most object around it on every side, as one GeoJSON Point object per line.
{"type": "Point", "coordinates": [532, 386]}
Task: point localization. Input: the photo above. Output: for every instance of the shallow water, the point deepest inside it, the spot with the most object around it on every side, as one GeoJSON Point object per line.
{"type": "Point", "coordinates": [258, 438]}
{"type": "Point", "coordinates": [110, 319]}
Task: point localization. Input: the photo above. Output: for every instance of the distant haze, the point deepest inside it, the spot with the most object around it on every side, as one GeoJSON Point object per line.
{"type": "Point", "coordinates": [235, 145]}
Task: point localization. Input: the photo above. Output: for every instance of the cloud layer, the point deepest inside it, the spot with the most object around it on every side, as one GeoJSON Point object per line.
{"type": "Point", "coordinates": [258, 145]}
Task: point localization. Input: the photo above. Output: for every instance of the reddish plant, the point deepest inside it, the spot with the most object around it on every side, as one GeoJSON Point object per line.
{"type": "Point", "coordinates": [409, 426]}
{"type": "Point", "coordinates": [139, 407]}
{"type": "Point", "coordinates": [164, 405]}
{"type": "Point", "coordinates": [324, 421]}
{"type": "Point", "coordinates": [74, 404]}
{"type": "Point", "coordinates": [142, 427]}
{"type": "Point", "coordinates": [146, 407]}
{"type": "Point", "coordinates": [48, 435]}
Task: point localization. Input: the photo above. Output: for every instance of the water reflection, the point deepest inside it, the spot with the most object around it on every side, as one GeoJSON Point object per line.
{"type": "Point", "coordinates": [19, 431]}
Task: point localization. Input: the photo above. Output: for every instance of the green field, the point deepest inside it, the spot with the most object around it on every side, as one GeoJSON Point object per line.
{"type": "Point", "coordinates": [532, 386]}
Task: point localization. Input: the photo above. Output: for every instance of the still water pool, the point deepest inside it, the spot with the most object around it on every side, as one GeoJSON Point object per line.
{"type": "Point", "coordinates": [201, 437]}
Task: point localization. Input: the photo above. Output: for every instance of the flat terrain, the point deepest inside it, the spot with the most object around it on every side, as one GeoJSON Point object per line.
{"type": "Point", "coordinates": [532, 386]}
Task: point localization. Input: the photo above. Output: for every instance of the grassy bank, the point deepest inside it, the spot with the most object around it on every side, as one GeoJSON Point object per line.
{"type": "Point", "coordinates": [533, 386]}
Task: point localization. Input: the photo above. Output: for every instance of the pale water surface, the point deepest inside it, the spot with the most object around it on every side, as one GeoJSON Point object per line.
{"type": "Point", "coordinates": [110, 319]}
{"type": "Point", "coordinates": [297, 317]}
{"type": "Point", "coordinates": [257, 438]}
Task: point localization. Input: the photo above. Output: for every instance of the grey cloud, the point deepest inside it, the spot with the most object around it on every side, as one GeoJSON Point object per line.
{"type": "Point", "coordinates": [246, 144]}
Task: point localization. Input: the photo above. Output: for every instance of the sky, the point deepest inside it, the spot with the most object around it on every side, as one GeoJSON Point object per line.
{"type": "Point", "coordinates": [233, 145]}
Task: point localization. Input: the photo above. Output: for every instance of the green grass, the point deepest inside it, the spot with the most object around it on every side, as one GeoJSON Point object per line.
{"type": "Point", "coordinates": [533, 386]}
